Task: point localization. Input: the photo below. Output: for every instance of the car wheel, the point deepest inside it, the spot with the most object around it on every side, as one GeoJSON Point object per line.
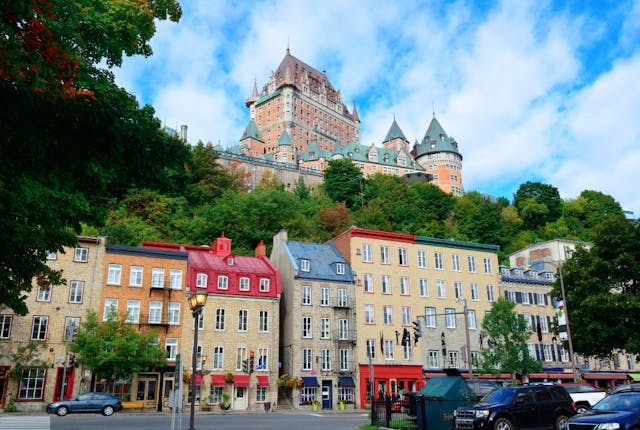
{"type": "Point", "coordinates": [581, 407]}
{"type": "Point", "coordinates": [503, 424]}
{"type": "Point", "coordinates": [561, 422]}
{"type": "Point", "coordinates": [107, 411]}
{"type": "Point", "coordinates": [62, 411]}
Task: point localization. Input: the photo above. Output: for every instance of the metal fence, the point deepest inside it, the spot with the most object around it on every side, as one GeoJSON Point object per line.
{"type": "Point", "coordinates": [396, 414]}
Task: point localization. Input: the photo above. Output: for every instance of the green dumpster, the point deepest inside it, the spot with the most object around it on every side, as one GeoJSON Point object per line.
{"type": "Point", "coordinates": [437, 400]}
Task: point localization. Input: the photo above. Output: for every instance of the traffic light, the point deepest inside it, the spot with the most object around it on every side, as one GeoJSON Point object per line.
{"type": "Point", "coordinates": [417, 331]}
{"type": "Point", "coordinates": [72, 361]}
{"type": "Point", "coordinates": [251, 361]}
{"type": "Point", "coordinates": [406, 337]}
{"type": "Point", "coordinates": [245, 365]}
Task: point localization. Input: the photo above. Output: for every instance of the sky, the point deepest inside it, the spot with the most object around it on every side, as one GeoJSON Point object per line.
{"type": "Point", "coordinates": [543, 91]}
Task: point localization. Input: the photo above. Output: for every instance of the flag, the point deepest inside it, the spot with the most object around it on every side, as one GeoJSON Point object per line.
{"type": "Point", "coordinates": [381, 343]}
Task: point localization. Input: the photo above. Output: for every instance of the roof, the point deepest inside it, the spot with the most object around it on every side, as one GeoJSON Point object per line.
{"type": "Point", "coordinates": [394, 133]}
{"type": "Point", "coordinates": [252, 132]}
{"type": "Point", "coordinates": [436, 140]}
{"type": "Point", "coordinates": [385, 157]}
{"type": "Point", "coordinates": [323, 258]}
{"type": "Point", "coordinates": [284, 139]}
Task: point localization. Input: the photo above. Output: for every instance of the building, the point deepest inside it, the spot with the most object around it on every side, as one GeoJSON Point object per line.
{"type": "Point", "coordinates": [402, 278]}
{"type": "Point", "coordinates": [550, 252]}
{"type": "Point", "coordinates": [53, 309]}
{"type": "Point", "coordinates": [317, 330]}
{"type": "Point", "coordinates": [240, 320]}
{"type": "Point", "coordinates": [148, 287]}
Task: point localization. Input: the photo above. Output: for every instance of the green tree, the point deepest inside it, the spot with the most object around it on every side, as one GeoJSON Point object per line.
{"type": "Point", "coordinates": [537, 204]}
{"type": "Point", "coordinates": [116, 349]}
{"type": "Point", "coordinates": [343, 182]}
{"type": "Point", "coordinates": [506, 336]}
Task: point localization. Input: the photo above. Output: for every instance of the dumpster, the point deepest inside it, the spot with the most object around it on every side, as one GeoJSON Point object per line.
{"type": "Point", "coordinates": [439, 398]}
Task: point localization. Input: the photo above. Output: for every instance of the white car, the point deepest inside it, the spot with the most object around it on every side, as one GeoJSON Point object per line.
{"type": "Point", "coordinates": [584, 395]}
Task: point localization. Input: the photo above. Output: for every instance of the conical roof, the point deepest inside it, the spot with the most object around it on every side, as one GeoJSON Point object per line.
{"type": "Point", "coordinates": [436, 140]}
{"type": "Point", "coordinates": [284, 139]}
{"type": "Point", "coordinates": [252, 132]}
{"type": "Point", "coordinates": [394, 133]}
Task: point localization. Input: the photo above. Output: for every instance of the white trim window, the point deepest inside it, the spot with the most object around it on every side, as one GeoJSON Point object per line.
{"type": "Point", "coordinates": [81, 255]}
{"type": "Point", "coordinates": [455, 262]}
{"type": "Point", "coordinates": [368, 283]}
{"type": "Point", "coordinates": [471, 318]}
{"type": "Point", "coordinates": [387, 314]}
{"type": "Point", "coordinates": [220, 319]}
{"type": "Point", "coordinates": [133, 311]}
{"type": "Point", "coordinates": [424, 287]}
{"type": "Point", "coordinates": [471, 263]}
{"type": "Point", "coordinates": [263, 321]}
{"type": "Point", "coordinates": [442, 290]}
{"type": "Point", "coordinates": [241, 353]}
{"type": "Point", "coordinates": [488, 266]}
{"type": "Point", "coordinates": [366, 253]}
{"type": "Point", "coordinates": [340, 268]}
{"type": "Point", "coordinates": [155, 312]}
{"type": "Point", "coordinates": [438, 262]}
{"type": "Point", "coordinates": [306, 359]}
{"type": "Point", "coordinates": [173, 313]}
{"type": "Point", "coordinates": [384, 255]}
{"type": "Point", "coordinates": [171, 346]}
{"type": "Point", "coordinates": [450, 318]}
{"type": "Point", "coordinates": [39, 327]}
{"type": "Point", "coordinates": [422, 259]}
{"type": "Point", "coordinates": [306, 295]}
{"type": "Point", "coordinates": [114, 274]}
{"type": "Point", "coordinates": [404, 286]}
{"type": "Point", "coordinates": [264, 285]}
{"type": "Point", "coordinates": [242, 319]}
{"type": "Point", "coordinates": [343, 300]}
{"type": "Point", "coordinates": [201, 280]}
{"type": "Point", "coordinates": [490, 294]}
{"type": "Point", "coordinates": [6, 321]}
{"type": "Point", "coordinates": [31, 384]}
{"type": "Point", "coordinates": [175, 279]}
{"type": "Point", "coordinates": [344, 360]}
{"type": "Point", "coordinates": [324, 297]}
{"type": "Point", "coordinates": [402, 256]}
{"type": "Point", "coordinates": [370, 346]}
{"type": "Point", "coordinates": [386, 284]}
{"type": "Point", "coordinates": [223, 282]}
{"type": "Point", "coordinates": [157, 277]}
{"type": "Point", "coordinates": [475, 296]}
{"type": "Point", "coordinates": [44, 294]}
{"type": "Point", "coordinates": [244, 284]}
{"type": "Point", "coordinates": [430, 317]}
{"type": "Point", "coordinates": [110, 309]}
{"type": "Point", "coordinates": [305, 265]}
{"type": "Point", "coordinates": [68, 323]}
{"type": "Point", "coordinates": [389, 352]}
{"type": "Point", "coordinates": [433, 359]}
{"type": "Point", "coordinates": [307, 327]}
{"type": "Point", "coordinates": [135, 276]}
{"type": "Point", "coordinates": [457, 288]}
{"type": "Point", "coordinates": [368, 314]}
{"type": "Point", "coordinates": [325, 328]}
{"type": "Point", "coordinates": [406, 316]}
{"type": "Point", "coordinates": [218, 357]}
{"type": "Point", "coordinates": [262, 360]}
{"type": "Point", "coordinates": [343, 329]}
{"type": "Point", "coordinates": [325, 359]}
{"type": "Point", "coordinates": [408, 351]}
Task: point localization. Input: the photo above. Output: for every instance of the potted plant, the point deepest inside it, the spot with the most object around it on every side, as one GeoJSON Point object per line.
{"type": "Point", "coordinates": [228, 378]}
{"type": "Point", "coordinates": [314, 405]}
{"type": "Point", "coordinates": [224, 403]}
{"type": "Point", "coordinates": [205, 406]}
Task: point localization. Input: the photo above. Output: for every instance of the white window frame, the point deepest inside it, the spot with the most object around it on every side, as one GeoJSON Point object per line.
{"type": "Point", "coordinates": [173, 313]}
{"type": "Point", "coordinates": [386, 284]}
{"type": "Point", "coordinates": [243, 320]}
{"type": "Point", "coordinates": [402, 257]}
{"type": "Point", "coordinates": [201, 280]}
{"type": "Point", "coordinates": [424, 287]}
{"type": "Point", "coordinates": [389, 350]}
{"type": "Point", "coordinates": [488, 266]}
{"type": "Point", "coordinates": [6, 321]}
{"type": "Point", "coordinates": [370, 348]}
{"type": "Point", "coordinates": [307, 327]}
{"type": "Point", "coordinates": [340, 268]}
{"type": "Point", "coordinates": [475, 296]}
{"type": "Point", "coordinates": [368, 283]}
{"type": "Point", "coordinates": [387, 315]}
{"type": "Point", "coordinates": [217, 361]}
{"type": "Point", "coordinates": [406, 315]}
{"type": "Point", "coordinates": [219, 324]}
{"type": "Point", "coordinates": [369, 314]}
{"type": "Point", "coordinates": [325, 299]}
{"type": "Point", "coordinates": [422, 258]}
{"type": "Point", "coordinates": [343, 329]}
{"type": "Point", "coordinates": [471, 319]}
{"type": "Point", "coordinates": [305, 265]}
{"type": "Point", "coordinates": [307, 363]}
{"type": "Point", "coordinates": [133, 311]}
{"type": "Point", "coordinates": [491, 297]}
{"type": "Point", "coordinates": [438, 261]}
{"type": "Point", "coordinates": [39, 327]}
{"type": "Point", "coordinates": [433, 359]}
{"type": "Point", "coordinates": [471, 263]}
{"type": "Point", "coordinates": [366, 253]}
{"type": "Point", "coordinates": [442, 289]}
{"type": "Point", "coordinates": [44, 294]}
{"type": "Point", "coordinates": [244, 284]}
{"type": "Point", "coordinates": [155, 312]}
{"type": "Point", "coordinates": [264, 284]}
{"type": "Point", "coordinates": [171, 346]}
{"type": "Point", "coordinates": [430, 316]}
{"type": "Point", "coordinates": [325, 360]}
{"type": "Point", "coordinates": [81, 255]}
{"type": "Point", "coordinates": [223, 282]}
{"type": "Point", "coordinates": [306, 295]}
{"type": "Point", "coordinates": [404, 286]}
{"type": "Point", "coordinates": [455, 263]}
{"type": "Point", "coordinates": [325, 328]}
{"type": "Point", "coordinates": [157, 277]}
{"type": "Point", "coordinates": [384, 254]}
{"type": "Point", "coordinates": [175, 279]}
{"type": "Point", "coordinates": [263, 321]}
{"type": "Point", "coordinates": [109, 304]}
{"type": "Point", "coordinates": [450, 318]}
{"type": "Point", "coordinates": [136, 274]}
{"type": "Point", "coordinates": [344, 360]}
{"type": "Point", "coordinates": [114, 274]}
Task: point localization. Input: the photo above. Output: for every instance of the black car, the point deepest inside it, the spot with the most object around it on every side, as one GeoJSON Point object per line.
{"type": "Point", "coordinates": [616, 412]}
{"type": "Point", "coordinates": [635, 386]}
{"type": "Point", "coordinates": [102, 403]}
{"type": "Point", "coordinates": [518, 407]}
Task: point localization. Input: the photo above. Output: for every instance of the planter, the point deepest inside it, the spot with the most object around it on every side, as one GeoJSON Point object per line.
{"type": "Point", "coordinates": [314, 406]}
{"type": "Point", "coordinates": [341, 406]}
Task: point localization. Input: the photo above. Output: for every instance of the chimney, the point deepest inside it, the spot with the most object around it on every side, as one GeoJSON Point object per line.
{"type": "Point", "coordinates": [183, 133]}
{"type": "Point", "coordinates": [261, 250]}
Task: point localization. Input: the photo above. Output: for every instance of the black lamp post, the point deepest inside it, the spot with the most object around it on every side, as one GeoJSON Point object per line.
{"type": "Point", "coordinates": [196, 303]}
{"type": "Point", "coordinates": [444, 348]}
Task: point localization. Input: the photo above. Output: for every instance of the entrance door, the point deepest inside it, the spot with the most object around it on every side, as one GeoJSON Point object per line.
{"type": "Point", "coordinates": [64, 384]}
{"type": "Point", "coordinates": [240, 400]}
{"type": "Point", "coordinates": [147, 389]}
{"type": "Point", "coordinates": [326, 395]}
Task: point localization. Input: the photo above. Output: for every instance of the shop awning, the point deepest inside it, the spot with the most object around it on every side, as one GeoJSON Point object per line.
{"type": "Point", "coordinates": [241, 380]}
{"type": "Point", "coordinates": [310, 381]}
{"type": "Point", "coordinates": [218, 381]}
{"type": "Point", "coordinates": [198, 379]}
{"type": "Point", "coordinates": [634, 376]}
{"type": "Point", "coordinates": [263, 380]}
{"type": "Point", "coordinates": [346, 381]}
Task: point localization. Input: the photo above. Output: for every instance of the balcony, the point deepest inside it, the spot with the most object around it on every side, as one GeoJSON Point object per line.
{"type": "Point", "coordinates": [345, 336]}
{"type": "Point", "coordinates": [341, 302]}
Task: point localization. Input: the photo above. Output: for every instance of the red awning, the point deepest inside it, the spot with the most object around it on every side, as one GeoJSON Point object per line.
{"type": "Point", "coordinates": [218, 381]}
{"type": "Point", "coordinates": [604, 376]}
{"type": "Point", "coordinates": [198, 379]}
{"type": "Point", "coordinates": [241, 380]}
{"type": "Point", "coordinates": [263, 381]}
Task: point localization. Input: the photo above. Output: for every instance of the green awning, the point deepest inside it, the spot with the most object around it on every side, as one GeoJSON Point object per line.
{"type": "Point", "coordinates": [634, 376]}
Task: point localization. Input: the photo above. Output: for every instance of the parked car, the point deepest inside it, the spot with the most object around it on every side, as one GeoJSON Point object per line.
{"type": "Point", "coordinates": [103, 403]}
{"type": "Point", "coordinates": [584, 395]}
{"type": "Point", "coordinates": [481, 387]}
{"type": "Point", "coordinates": [518, 407]}
{"type": "Point", "coordinates": [634, 386]}
{"type": "Point", "coordinates": [619, 411]}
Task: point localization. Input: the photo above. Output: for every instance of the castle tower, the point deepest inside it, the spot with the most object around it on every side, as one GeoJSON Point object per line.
{"type": "Point", "coordinates": [395, 139]}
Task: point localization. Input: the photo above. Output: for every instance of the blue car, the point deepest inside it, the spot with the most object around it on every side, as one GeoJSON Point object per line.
{"type": "Point", "coordinates": [101, 403]}
{"type": "Point", "coordinates": [616, 412]}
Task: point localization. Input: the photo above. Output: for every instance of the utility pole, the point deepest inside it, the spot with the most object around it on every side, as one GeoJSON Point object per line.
{"type": "Point", "coordinates": [466, 333]}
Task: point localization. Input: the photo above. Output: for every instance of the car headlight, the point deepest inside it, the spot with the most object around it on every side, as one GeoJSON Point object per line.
{"type": "Point", "coordinates": [608, 426]}
{"type": "Point", "coordinates": [482, 414]}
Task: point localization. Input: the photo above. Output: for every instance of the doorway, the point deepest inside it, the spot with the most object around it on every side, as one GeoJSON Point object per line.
{"type": "Point", "coordinates": [240, 401]}
{"type": "Point", "coordinates": [147, 389]}
{"type": "Point", "coordinates": [64, 384]}
{"type": "Point", "coordinates": [326, 394]}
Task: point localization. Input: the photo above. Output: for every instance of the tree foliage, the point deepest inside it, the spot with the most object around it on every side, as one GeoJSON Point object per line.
{"type": "Point", "coordinates": [116, 349]}
{"type": "Point", "coordinates": [344, 182]}
{"type": "Point", "coordinates": [506, 336]}
{"type": "Point", "coordinates": [538, 203]}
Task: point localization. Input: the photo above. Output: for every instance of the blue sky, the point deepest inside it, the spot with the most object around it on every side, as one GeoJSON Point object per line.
{"type": "Point", "coordinates": [531, 90]}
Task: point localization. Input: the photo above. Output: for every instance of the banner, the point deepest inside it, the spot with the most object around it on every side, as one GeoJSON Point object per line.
{"type": "Point", "coordinates": [562, 320]}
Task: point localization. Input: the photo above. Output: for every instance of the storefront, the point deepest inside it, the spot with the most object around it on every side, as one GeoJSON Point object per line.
{"type": "Point", "coordinates": [389, 381]}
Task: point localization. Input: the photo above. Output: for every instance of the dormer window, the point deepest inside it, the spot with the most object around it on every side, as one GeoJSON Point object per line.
{"type": "Point", "coordinates": [505, 271]}
{"type": "Point", "coordinates": [305, 265]}
{"type": "Point", "coordinates": [340, 268]}
{"type": "Point", "coordinates": [230, 261]}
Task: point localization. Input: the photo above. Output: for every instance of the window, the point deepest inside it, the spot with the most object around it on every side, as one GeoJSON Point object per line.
{"type": "Point", "coordinates": [173, 313]}
{"type": "Point", "coordinates": [70, 322]}
{"type": "Point", "coordinates": [366, 253]}
{"type": "Point", "coordinates": [544, 324]}
{"type": "Point", "coordinates": [155, 312]}
{"type": "Point", "coordinates": [344, 360]}
{"type": "Point", "coordinates": [157, 277]}
{"type": "Point", "coordinates": [455, 262]}
{"type": "Point", "coordinates": [433, 359]}
{"type": "Point", "coordinates": [526, 298]}
{"type": "Point", "coordinates": [242, 320]}
{"type": "Point", "coordinates": [244, 284]}
{"type": "Point", "coordinates": [39, 328]}
{"type": "Point", "coordinates": [389, 353]}
{"type": "Point", "coordinates": [457, 288]}
{"type": "Point", "coordinates": [387, 315]}
{"type": "Point", "coordinates": [261, 393]}
{"type": "Point", "coordinates": [422, 259]}
{"type": "Point", "coordinates": [110, 309]}
{"type": "Point", "coordinates": [371, 348]}
{"type": "Point", "coordinates": [31, 384]}
{"type": "Point", "coordinates": [325, 328]}
{"type": "Point", "coordinates": [220, 319]}
{"type": "Point", "coordinates": [307, 329]}
{"type": "Point", "coordinates": [264, 284]}
{"type": "Point", "coordinates": [442, 292]}
{"type": "Point", "coordinates": [201, 280]}
{"type": "Point", "coordinates": [404, 286]}
{"type": "Point", "coordinates": [406, 316]}
{"type": "Point", "coordinates": [368, 314]}
{"type": "Point", "coordinates": [471, 263]}
{"type": "Point", "coordinates": [306, 295]}
{"type": "Point", "coordinates": [241, 353]}
{"type": "Point", "coordinates": [424, 287]}
{"type": "Point", "coordinates": [475, 358]}
{"type": "Point", "coordinates": [114, 274]}
{"type": "Point", "coordinates": [171, 346]}
{"type": "Point", "coordinates": [218, 357]}
{"type": "Point", "coordinates": [324, 297]}
{"type": "Point", "coordinates": [305, 265]}
{"type": "Point", "coordinates": [52, 256]}
{"type": "Point", "coordinates": [342, 298]}
{"type": "Point", "coordinates": [76, 289]}
{"type": "Point", "coordinates": [488, 266]}
{"type": "Point", "coordinates": [474, 292]}
{"type": "Point", "coordinates": [450, 318]}
{"type": "Point", "coordinates": [326, 359]}
{"type": "Point", "coordinates": [81, 255]}
{"type": "Point", "coordinates": [368, 283]}
{"type": "Point", "coordinates": [471, 318]}
{"type": "Point", "coordinates": [135, 276]}
{"type": "Point", "coordinates": [454, 359]}
{"type": "Point", "coordinates": [384, 255]}
{"type": "Point", "coordinates": [430, 317]}
{"type": "Point", "coordinates": [407, 350]}
{"type": "Point", "coordinates": [133, 311]}
{"type": "Point", "coordinates": [44, 294]}
{"type": "Point", "coordinates": [490, 296]}
{"type": "Point", "coordinates": [5, 326]}
{"type": "Point", "coordinates": [175, 279]}
{"type": "Point", "coordinates": [343, 329]}
{"type": "Point", "coordinates": [262, 359]}
{"type": "Point", "coordinates": [223, 282]}
{"type": "Point", "coordinates": [263, 322]}
{"type": "Point", "coordinates": [549, 357]}
{"type": "Point", "coordinates": [402, 256]}
{"type": "Point", "coordinates": [306, 359]}
{"type": "Point", "coordinates": [340, 268]}
{"type": "Point", "coordinates": [386, 284]}
{"type": "Point", "coordinates": [439, 264]}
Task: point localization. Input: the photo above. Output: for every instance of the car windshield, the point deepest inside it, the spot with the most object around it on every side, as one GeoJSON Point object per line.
{"type": "Point", "coordinates": [619, 402]}
{"type": "Point", "coordinates": [501, 395]}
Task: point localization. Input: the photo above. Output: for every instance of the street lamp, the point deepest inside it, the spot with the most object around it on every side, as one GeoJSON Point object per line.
{"type": "Point", "coordinates": [566, 316]}
{"type": "Point", "coordinates": [196, 303]}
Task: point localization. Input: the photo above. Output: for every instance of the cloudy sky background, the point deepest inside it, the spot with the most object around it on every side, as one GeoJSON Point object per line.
{"type": "Point", "coordinates": [531, 90]}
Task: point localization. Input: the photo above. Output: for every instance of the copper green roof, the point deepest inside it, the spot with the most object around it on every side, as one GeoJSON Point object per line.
{"type": "Point", "coordinates": [252, 132]}
{"type": "Point", "coordinates": [284, 139]}
{"type": "Point", "coordinates": [394, 133]}
{"type": "Point", "coordinates": [436, 140]}
{"type": "Point", "coordinates": [314, 152]}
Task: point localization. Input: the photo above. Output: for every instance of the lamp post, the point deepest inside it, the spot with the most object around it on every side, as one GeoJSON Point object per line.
{"type": "Point", "coordinates": [196, 303]}
{"type": "Point", "coordinates": [566, 316]}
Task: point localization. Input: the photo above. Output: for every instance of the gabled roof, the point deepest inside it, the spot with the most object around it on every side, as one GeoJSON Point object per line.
{"type": "Point", "coordinates": [436, 140]}
{"type": "Point", "coordinates": [323, 258]}
{"type": "Point", "coordinates": [252, 132]}
{"type": "Point", "coordinates": [314, 152]}
{"type": "Point", "coordinates": [394, 133]}
{"type": "Point", "coordinates": [386, 157]}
